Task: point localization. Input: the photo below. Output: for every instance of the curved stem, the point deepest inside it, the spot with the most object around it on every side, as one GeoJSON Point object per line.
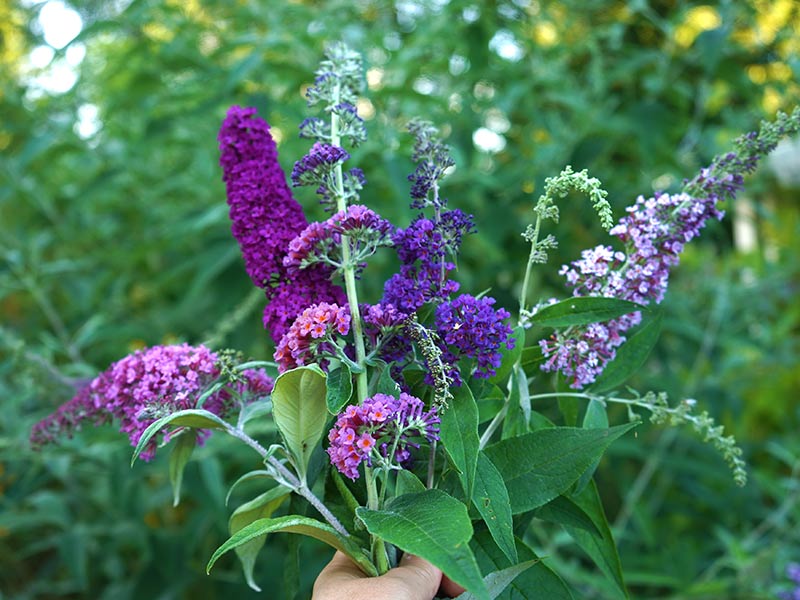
{"type": "Point", "coordinates": [289, 478]}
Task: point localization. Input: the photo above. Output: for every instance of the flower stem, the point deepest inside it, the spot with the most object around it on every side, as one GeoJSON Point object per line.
{"type": "Point", "coordinates": [523, 294]}
{"type": "Point", "coordinates": [289, 478]}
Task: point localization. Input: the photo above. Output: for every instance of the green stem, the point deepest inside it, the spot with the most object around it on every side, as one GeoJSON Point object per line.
{"type": "Point", "coordinates": [379, 557]}
{"type": "Point", "coordinates": [523, 295]}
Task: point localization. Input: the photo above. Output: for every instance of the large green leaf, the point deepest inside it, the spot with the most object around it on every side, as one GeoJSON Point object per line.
{"type": "Point", "coordinates": [598, 541]}
{"type": "Point", "coordinates": [196, 418]}
{"type": "Point", "coordinates": [630, 356]}
{"type": "Point", "coordinates": [490, 497]}
{"type": "Point", "coordinates": [259, 507]}
{"type": "Point", "coordinates": [181, 452]}
{"type": "Point", "coordinates": [536, 583]}
{"type": "Point", "coordinates": [541, 465]}
{"type": "Point", "coordinates": [582, 310]}
{"type": "Point", "coordinates": [339, 388]}
{"type": "Point", "coordinates": [300, 411]}
{"type": "Point", "coordinates": [299, 525]}
{"type": "Point", "coordinates": [435, 526]}
{"type": "Point", "coordinates": [459, 435]}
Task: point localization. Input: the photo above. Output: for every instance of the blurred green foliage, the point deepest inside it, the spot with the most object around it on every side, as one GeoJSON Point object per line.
{"type": "Point", "coordinates": [118, 238]}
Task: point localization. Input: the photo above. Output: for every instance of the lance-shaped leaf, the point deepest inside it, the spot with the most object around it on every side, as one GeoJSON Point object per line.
{"type": "Point", "coordinates": [582, 310]}
{"type": "Point", "coordinates": [597, 541]}
{"type": "Point", "coordinates": [181, 452]}
{"type": "Point", "coordinates": [535, 583]}
{"type": "Point", "coordinates": [300, 411]}
{"type": "Point", "coordinates": [196, 418]}
{"type": "Point", "coordinates": [299, 525]}
{"type": "Point", "coordinates": [459, 435]}
{"type": "Point", "coordinates": [435, 526]}
{"type": "Point", "coordinates": [542, 464]}
{"type": "Point", "coordinates": [490, 497]}
{"type": "Point", "coordinates": [260, 507]}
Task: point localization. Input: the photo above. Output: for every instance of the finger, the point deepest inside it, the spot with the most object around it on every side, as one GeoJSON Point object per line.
{"type": "Point", "coordinates": [339, 569]}
{"type": "Point", "coordinates": [450, 588]}
{"type": "Point", "coordinates": [417, 574]}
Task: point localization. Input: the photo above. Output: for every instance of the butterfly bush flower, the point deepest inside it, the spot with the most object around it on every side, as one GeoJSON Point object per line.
{"type": "Point", "coordinates": [380, 432]}
{"type": "Point", "coordinates": [358, 226]}
{"type": "Point", "coordinates": [265, 218]}
{"type": "Point", "coordinates": [473, 328]}
{"type": "Point", "coordinates": [654, 233]}
{"type": "Point", "coordinates": [312, 336]}
{"type": "Point", "coordinates": [793, 573]}
{"type": "Point", "coordinates": [423, 249]}
{"type": "Point", "coordinates": [146, 385]}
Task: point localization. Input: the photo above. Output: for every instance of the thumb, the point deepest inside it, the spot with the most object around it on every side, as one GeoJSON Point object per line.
{"type": "Point", "coordinates": [418, 575]}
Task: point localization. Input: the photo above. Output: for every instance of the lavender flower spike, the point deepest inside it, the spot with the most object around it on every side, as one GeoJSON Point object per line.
{"type": "Point", "coordinates": [654, 233]}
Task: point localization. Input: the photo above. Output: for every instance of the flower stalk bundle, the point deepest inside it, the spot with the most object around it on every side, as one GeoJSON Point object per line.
{"type": "Point", "coordinates": [422, 406]}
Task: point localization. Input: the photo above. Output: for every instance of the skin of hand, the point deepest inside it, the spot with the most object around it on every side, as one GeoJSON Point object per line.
{"type": "Point", "coordinates": [413, 579]}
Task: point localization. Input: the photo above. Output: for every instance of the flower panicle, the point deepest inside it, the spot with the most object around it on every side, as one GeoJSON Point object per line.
{"type": "Point", "coordinates": [654, 232]}
{"type": "Point", "coordinates": [382, 431]}
{"type": "Point", "coordinates": [662, 413]}
{"type": "Point", "coordinates": [339, 78]}
{"type": "Point", "coordinates": [149, 384]}
{"type": "Point", "coordinates": [433, 160]}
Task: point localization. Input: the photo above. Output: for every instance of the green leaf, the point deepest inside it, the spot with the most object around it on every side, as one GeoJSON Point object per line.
{"type": "Point", "coordinates": [260, 473]}
{"type": "Point", "coordinates": [254, 410]}
{"type": "Point", "coordinates": [509, 357]}
{"type": "Point", "coordinates": [564, 511]}
{"type": "Point", "coordinates": [387, 385]}
{"type": "Point", "coordinates": [196, 418]}
{"type": "Point", "coordinates": [258, 508]}
{"type": "Point", "coordinates": [490, 497]}
{"type": "Point", "coordinates": [598, 542]}
{"type": "Point", "coordinates": [583, 310]}
{"type": "Point", "coordinates": [541, 465]}
{"type": "Point", "coordinates": [630, 356]}
{"type": "Point", "coordinates": [408, 483]}
{"type": "Point", "coordinates": [181, 452]}
{"type": "Point", "coordinates": [459, 435]}
{"type": "Point", "coordinates": [536, 583]}
{"type": "Point", "coordinates": [339, 389]}
{"type": "Point", "coordinates": [432, 525]}
{"type": "Point", "coordinates": [299, 525]}
{"type": "Point", "coordinates": [595, 418]}
{"type": "Point", "coordinates": [300, 411]}
{"type": "Point", "coordinates": [498, 581]}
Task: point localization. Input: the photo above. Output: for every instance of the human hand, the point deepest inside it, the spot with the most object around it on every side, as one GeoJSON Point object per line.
{"type": "Point", "coordinates": [413, 579]}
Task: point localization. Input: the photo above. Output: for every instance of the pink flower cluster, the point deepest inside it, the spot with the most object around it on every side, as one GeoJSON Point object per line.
{"type": "Point", "coordinates": [321, 241]}
{"type": "Point", "coordinates": [311, 334]}
{"type": "Point", "coordinates": [145, 386]}
{"type": "Point", "coordinates": [383, 428]}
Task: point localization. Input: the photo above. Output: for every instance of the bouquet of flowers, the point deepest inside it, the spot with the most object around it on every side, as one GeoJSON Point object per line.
{"type": "Point", "coordinates": [411, 425]}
